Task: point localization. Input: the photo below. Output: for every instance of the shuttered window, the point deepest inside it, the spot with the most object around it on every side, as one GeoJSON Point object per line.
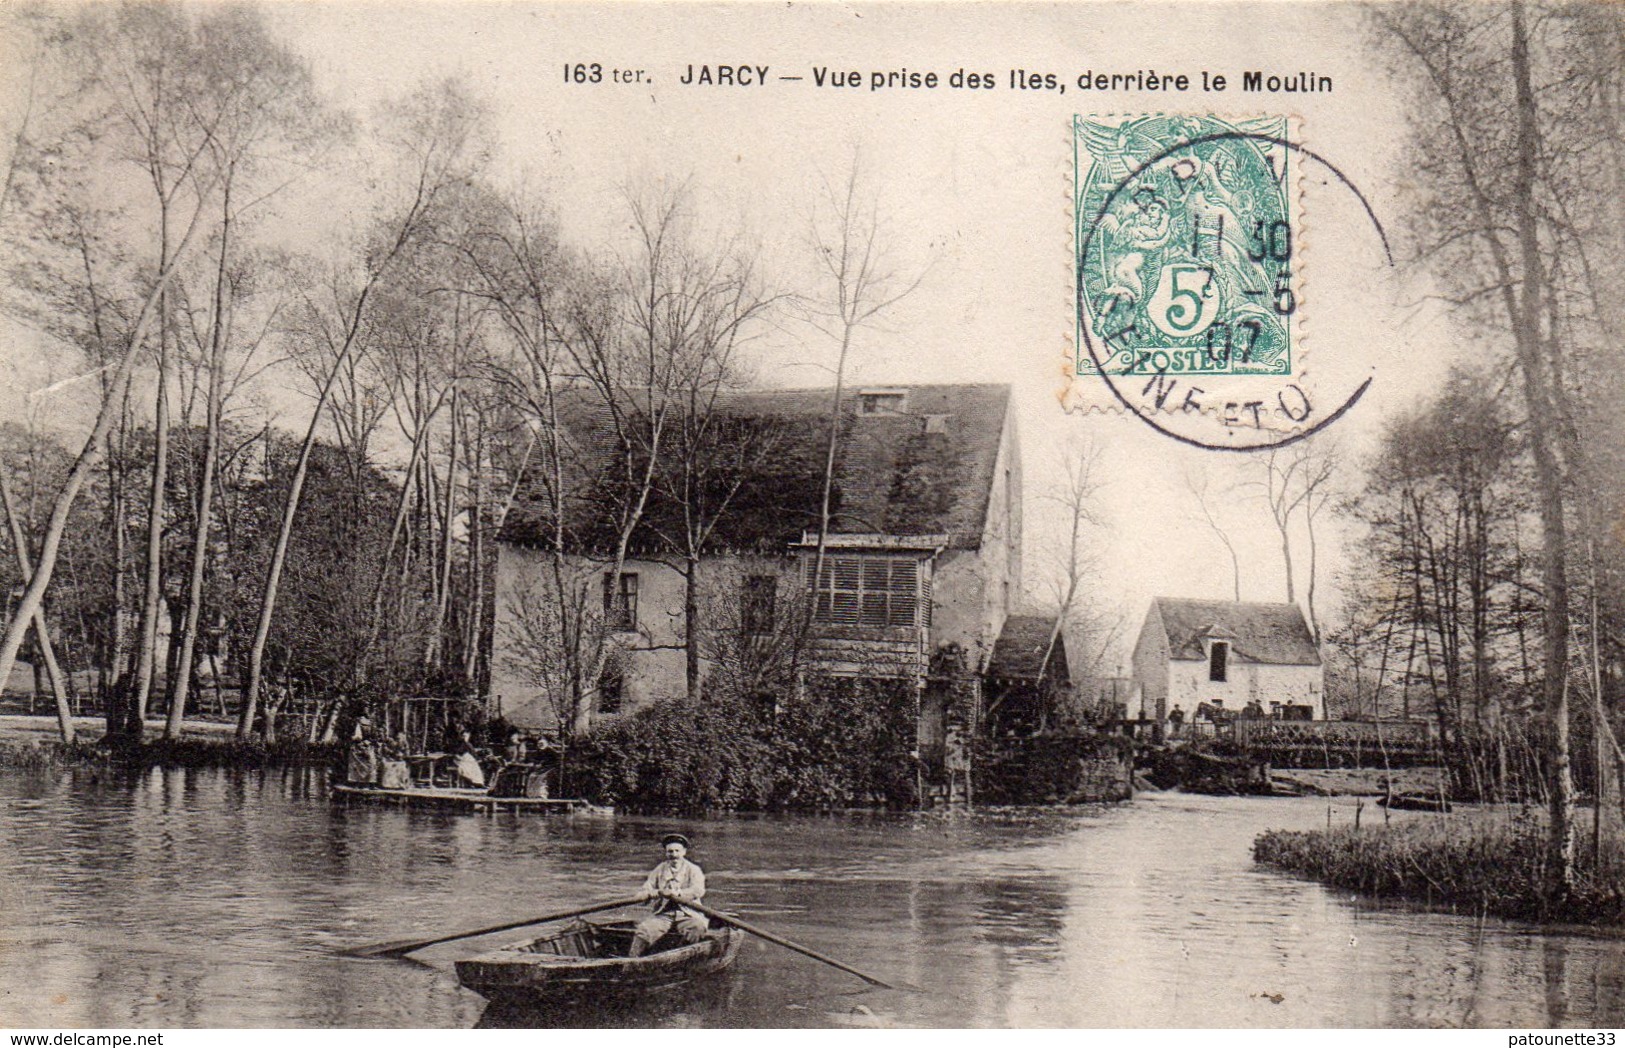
{"type": "Point", "coordinates": [621, 601]}
{"type": "Point", "coordinates": [868, 591]}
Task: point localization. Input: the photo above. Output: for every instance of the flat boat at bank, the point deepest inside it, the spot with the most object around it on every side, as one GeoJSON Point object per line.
{"type": "Point", "coordinates": [1414, 802]}
{"type": "Point", "coordinates": [466, 799]}
{"type": "Point", "coordinates": [590, 957]}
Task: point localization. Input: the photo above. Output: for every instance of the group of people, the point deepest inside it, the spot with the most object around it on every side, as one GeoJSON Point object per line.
{"type": "Point", "coordinates": [376, 758]}
{"type": "Point", "coordinates": [1254, 710]}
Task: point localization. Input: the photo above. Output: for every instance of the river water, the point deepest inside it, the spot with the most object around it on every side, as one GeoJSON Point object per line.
{"type": "Point", "coordinates": [224, 899]}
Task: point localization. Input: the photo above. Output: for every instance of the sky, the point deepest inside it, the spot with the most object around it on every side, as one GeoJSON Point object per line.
{"type": "Point", "coordinates": [975, 190]}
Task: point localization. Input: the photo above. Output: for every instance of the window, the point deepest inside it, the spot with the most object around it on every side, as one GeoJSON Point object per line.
{"type": "Point", "coordinates": [1218, 662]}
{"type": "Point", "coordinates": [621, 601]}
{"type": "Point", "coordinates": [611, 688]}
{"type": "Point", "coordinates": [757, 598]}
{"type": "Point", "coordinates": [878, 403]}
{"type": "Point", "coordinates": [868, 591]}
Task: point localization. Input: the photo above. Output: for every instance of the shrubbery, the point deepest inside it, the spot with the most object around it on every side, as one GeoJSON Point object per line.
{"type": "Point", "coordinates": [842, 742]}
{"type": "Point", "coordinates": [185, 752]}
{"type": "Point", "coordinates": [1480, 863]}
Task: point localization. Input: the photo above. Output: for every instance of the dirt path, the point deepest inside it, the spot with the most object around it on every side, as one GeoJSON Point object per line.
{"type": "Point", "coordinates": [25, 729]}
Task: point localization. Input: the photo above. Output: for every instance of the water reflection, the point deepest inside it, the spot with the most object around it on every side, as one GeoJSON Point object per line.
{"type": "Point", "coordinates": [210, 898]}
{"type": "Point", "coordinates": [706, 1002]}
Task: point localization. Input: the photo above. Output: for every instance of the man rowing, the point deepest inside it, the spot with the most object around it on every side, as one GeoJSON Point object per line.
{"type": "Point", "coordinates": [669, 885]}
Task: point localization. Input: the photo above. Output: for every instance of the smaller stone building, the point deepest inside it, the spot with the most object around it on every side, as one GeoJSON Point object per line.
{"type": "Point", "coordinates": [1227, 655]}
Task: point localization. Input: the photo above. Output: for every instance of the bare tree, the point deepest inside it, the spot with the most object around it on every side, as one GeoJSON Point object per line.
{"type": "Point", "coordinates": [1076, 499]}
{"type": "Point", "coordinates": [1196, 482]}
{"type": "Point", "coordinates": [19, 145]}
{"type": "Point", "coordinates": [859, 284]}
{"type": "Point", "coordinates": [666, 353]}
{"type": "Point", "coordinates": [1497, 227]}
{"type": "Point", "coordinates": [515, 267]}
{"type": "Point", "coordinates": [437, 132]}
{"type": "Point", "coordinates": [713, 452]}
{"type": "Point", "coordinates": [123, 118]}
{"type": "Point", "coordinates": [1297, 482]}
{"type": "Point", "coordinates": [264, 110]}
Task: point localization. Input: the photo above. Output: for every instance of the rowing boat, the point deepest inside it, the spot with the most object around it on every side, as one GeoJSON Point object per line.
{"type": "Point", "coordinates": [591, 957]}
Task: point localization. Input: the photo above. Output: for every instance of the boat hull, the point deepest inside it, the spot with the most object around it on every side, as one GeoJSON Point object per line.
{"type": "Point", "coordinates": [461, 799]}
{"type": "Point", "coordinates": [553, 968]}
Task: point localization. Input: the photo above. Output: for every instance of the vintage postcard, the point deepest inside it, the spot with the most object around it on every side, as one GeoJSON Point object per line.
{"type": "Point", "coordinates": [813, 515]}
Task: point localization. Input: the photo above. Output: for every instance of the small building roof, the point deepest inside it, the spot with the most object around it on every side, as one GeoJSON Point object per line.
{"type": "Point", "coordinates": [1273, 634]}
{"type": "Point", "coordinates": [1019, 652]}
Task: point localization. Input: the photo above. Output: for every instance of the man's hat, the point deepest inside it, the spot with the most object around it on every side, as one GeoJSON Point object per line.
{"type": "Point", "coordinates": [674, 838]}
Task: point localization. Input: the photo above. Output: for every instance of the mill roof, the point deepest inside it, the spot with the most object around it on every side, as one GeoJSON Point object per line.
{"type": "Point", "coordinates": [910, 460]}
{"type": "Point", "coordinates": [1273, 634]}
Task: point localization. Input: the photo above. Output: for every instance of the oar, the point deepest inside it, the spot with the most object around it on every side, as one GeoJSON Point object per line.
{"type": "Point", "coordinates": [404, 947]}
{"type": "Point", "coordinates": [788, 945]}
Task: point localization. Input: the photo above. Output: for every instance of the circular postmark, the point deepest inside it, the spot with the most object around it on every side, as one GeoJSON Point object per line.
{"type": "Point", "coordinates": [1190, 278]}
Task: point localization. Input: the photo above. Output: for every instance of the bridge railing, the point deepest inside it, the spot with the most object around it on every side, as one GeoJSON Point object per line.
{"type": "Point", "coordinates": [1404, 734]}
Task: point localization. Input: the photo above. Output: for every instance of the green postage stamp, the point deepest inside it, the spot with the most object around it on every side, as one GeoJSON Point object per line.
{"type": "Point", "coordinates": [1186, 236]}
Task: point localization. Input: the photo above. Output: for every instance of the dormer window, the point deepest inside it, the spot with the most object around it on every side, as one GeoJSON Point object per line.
{"type": "Point", "coordinates": [880, 402]}
{"type": "Point", "coordinates": [1218, 661]}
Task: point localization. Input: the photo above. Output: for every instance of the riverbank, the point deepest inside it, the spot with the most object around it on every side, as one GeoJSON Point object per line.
{"type": "Point", "coordinates": [1361, 782]}
{"type": "Point", "coordinates": [1482, 861]}
{"type": "Point", "coordinates": [36, 742]}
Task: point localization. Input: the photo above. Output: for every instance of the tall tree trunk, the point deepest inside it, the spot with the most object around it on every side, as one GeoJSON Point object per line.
{"type": "Point", "coordinates": [204, 505]}
{"type": "Point", "coordinates": [404, 503]}
{"type": "Point", "coordinates": [1314, 553]}
{"type": "Point", "coordinates": [692, 626]}
{"type": "Point", "coordinates": [42, 634]}
{"type": "Point", "coordinates": [449, 510]}
{"type": "Point", "coordinates": [475, 622]}
{"type": "Point", "coordinates": [248, 707]}
{"type": "Point", "coordinates": [152, 599]}
{"type": "Point", "coordinates": [1543, 418]}
{"type": "Point", "coordinates": [113, 667]}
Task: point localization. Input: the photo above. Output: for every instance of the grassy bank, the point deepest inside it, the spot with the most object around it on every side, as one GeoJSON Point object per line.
{"type": "Point", "coordinates": [1480, 862]}
{"type": "Point", "coordinates": [34, 742]}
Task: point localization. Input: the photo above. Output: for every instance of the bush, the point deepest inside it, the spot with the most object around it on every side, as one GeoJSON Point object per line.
{"type": "Point", "coordinates": [1483, 864]}
{"type": "Point", "coordinates": [845, 741]}
{"type": "Point", "coordinates": [841, 742]}
{"type": "Point", "coordinates": [674, 757]}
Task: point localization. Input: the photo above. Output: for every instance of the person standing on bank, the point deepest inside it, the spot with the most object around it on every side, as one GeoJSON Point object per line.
{"type": "Point", "coordinates": [671, 884]}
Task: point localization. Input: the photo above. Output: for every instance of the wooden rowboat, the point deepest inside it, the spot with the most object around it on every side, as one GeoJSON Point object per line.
{"type": "Point", "coordinates": [591, 958]}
